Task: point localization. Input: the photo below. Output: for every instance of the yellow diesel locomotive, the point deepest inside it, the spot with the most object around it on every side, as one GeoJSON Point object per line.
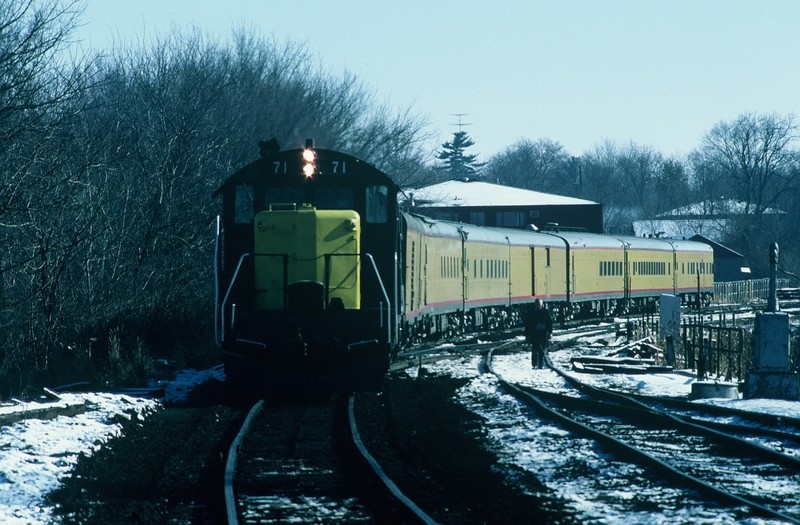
{"type": "Point", "coordinates": [320, 277]}
{"type": "Point", "coordinates": [306, 272]}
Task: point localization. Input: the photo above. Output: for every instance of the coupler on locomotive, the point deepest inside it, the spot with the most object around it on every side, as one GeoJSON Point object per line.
{"type": "Point", "coordinates": [326, 351]}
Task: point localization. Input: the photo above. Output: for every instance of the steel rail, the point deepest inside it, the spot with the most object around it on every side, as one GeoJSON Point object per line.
{"type": "Point", "coordinates": [636, 455]}
{"type": "Point", "coordinates": [390, 485]}
{"type": "Point", "coordinates": [230, 463]}
{"type": "Point", "coordinates": [688, 424]}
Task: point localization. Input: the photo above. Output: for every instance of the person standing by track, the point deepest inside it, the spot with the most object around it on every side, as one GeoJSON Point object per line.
{"type": "Point", "coordinates": [538, 330]}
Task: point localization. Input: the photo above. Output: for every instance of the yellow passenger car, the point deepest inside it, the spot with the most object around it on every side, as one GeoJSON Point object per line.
{"type": "Point", "coordinates": [693, 268]}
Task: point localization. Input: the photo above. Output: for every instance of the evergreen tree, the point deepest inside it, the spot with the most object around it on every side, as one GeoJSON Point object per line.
{"type": "Point", "coordinates": [459, 164]}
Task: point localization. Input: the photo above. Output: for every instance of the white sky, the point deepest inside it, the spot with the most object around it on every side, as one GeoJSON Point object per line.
{"type": "Point", "coordinates": [658, 73]}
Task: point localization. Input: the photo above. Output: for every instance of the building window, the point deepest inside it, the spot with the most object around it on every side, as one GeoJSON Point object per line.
{"type": "Point", "coordinates": [477, 218]}
{"type": "Point", "coordinates": [509, 219]}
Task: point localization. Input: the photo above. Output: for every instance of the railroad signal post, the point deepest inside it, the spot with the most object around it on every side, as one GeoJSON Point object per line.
{"type": "Point", "coordinates": [772, 376]}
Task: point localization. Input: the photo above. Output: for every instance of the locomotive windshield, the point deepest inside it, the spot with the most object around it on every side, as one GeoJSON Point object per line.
{"type": "Point", "coordinates": [333, 198]}
{"type": "Point", "coordinates": [376, 200]}
{"type": "Point", "coordinates": [284, 195]}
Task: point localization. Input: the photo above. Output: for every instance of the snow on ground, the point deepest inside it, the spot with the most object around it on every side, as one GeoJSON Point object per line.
{"type": "Point", "coordinates": [35, 454]}
{"type": "Point", "coordinates": [598, 490]}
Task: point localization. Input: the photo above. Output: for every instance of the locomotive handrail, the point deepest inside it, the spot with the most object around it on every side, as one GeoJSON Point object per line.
{"type": "Point", "coordinates": [228, 293]}
{"type": "Point", "coordinates": [385, 296]}
{"type": "Point", "coordinates": [327, 283]}
{"type": "Point", "coordinates": [217, 251]}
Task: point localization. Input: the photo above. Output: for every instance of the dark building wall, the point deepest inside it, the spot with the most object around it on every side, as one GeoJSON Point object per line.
{"type": "Point", "coordinates": [730, 269]}
{"type": "Point", "coordinates": [588, 217]}
{"type": "Point", "coordinates": [728, 264]}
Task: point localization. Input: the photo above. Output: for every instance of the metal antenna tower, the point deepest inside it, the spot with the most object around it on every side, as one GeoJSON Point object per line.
{"type": "Point", "coordinates": [460, 122]}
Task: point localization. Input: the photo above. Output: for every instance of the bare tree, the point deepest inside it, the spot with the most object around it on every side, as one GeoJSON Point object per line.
{"type": "Point", "coordinates": [601, 183]}
{"type": "Point", "coordinates": [277, 89]}
{"type": "Point", "coordinates": [753, 155]}
{"type": "Point", "coordinates": [34, 72]}
{"type": "Point", "coordinates": [542, 165]}
{"type": "Point", "coordinates": [42, 93]}
{"type": "Point", "coordinates": [753, 160]}
{"type": "Point", "coordinates": [107, 169]}
{"type": "Point", "coordinates": [638, 168]}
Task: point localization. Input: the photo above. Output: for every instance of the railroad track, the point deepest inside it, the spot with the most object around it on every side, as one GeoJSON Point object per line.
{"type": "Point", "coordinates": [762, 432]}
{"type": "Point", "coordinates": [705, 456]}
{"type": "Point", "coordinates": [305, 463]}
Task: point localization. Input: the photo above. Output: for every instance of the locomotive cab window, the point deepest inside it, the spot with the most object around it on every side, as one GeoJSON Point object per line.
{"type": "Point", "coordinates": [333, 198]}
{"type": "Point", "coordinates": [377, 204]}
{"type": "Point", "coordinates": [284, 195]}
{"type": "Point", "coordinates": [243, 206]}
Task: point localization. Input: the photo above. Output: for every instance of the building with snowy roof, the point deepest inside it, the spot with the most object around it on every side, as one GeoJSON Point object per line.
{"type": "Point", "coordinates": [486, 204]}
{"type": "Point", "coordinates": [709, 219]}
{"type": "Point", "coordinates": [712, 228]}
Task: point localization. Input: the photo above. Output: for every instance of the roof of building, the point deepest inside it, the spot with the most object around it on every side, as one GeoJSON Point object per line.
{"type": "Point", "coordinates": [719, 249]}
{"type": "Point", "coordinates": [711, 220]}
{"type": "Point", "coordinates": [456, 193]}
{"type": "Point", "coordinates": [723, 207]}
{"type": "Point", "coordinates": [681, 228]}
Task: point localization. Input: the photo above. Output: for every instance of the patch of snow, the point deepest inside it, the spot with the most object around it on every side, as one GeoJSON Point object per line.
{"type": "Point", "coordinates": [178, 390]}
{"type": "Point", "coordinates": [597, 488]}
{"type": "Point", "coordinates": [35, 455]}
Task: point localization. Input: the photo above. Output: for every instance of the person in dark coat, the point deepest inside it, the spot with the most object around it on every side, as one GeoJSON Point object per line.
{"type": "Point", "coordinates": [538, 330]}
